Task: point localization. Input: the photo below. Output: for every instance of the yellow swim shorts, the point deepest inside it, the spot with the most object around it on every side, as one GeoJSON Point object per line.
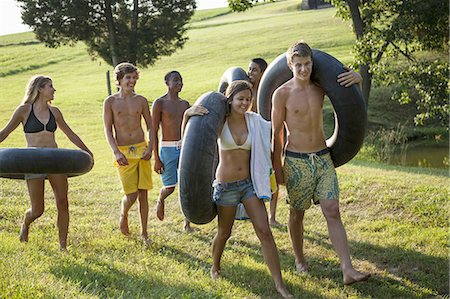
{"type": "Point", "coordinates": [137, 174]}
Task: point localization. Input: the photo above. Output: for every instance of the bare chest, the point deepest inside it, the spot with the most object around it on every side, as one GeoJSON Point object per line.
{"type": "Point", "coordinates": [124, 108]}
{"type": "Point", "coordinates": [173, 111]}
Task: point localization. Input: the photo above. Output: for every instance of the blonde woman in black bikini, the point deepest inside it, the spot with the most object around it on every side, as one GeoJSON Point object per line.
{"type": "Point", "coordinates": [40, 121]}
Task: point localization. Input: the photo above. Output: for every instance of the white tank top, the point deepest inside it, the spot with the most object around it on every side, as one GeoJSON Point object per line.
{"type": "Point", "coordinates": [226, 141]}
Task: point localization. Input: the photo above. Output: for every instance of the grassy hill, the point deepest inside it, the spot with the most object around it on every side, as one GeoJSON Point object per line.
{"type": "Point", "coordinates": [396, 217]}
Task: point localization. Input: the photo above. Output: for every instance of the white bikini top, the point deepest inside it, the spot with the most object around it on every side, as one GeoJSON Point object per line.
{"type": "Point", "coordinates": [226, 141]}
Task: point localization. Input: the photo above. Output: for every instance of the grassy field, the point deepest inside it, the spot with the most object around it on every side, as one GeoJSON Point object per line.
{"type": "Point", "coordinates": [396, 217]}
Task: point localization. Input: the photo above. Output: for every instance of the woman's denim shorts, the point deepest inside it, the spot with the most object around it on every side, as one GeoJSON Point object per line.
{"type": "Point", "coordinates": [232, 193]}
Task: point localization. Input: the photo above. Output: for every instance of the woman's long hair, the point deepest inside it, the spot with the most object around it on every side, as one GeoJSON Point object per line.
{"type": "Point", "coordinates": [32, 90]}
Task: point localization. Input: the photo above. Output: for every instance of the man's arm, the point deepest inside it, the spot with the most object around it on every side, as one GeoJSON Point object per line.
{"type": "Point", "coordinates": [149, 124]}
{"type": "Point", "coordinates": [108, 127]}
{"type": "Point", "coordinates": [158, 167]}
{"type": "Point", "coordinates": [349, 78]}
{"type": "Point", "coordinates": [278, 117]}
{"type": "Point", "coordinates": [191, 111]}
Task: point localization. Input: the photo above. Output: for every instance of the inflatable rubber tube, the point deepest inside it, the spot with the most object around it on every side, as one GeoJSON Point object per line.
{"type": "Point", "coordinates": [16, 162]}
{"type": "Point", "coordinates": [230, 75]}
{"type": "Point", "coordinates": [348, 102]}
{"type": "Point", "coordinates": [198, 159]}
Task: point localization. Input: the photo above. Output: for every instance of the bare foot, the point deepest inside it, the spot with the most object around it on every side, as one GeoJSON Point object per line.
{"type": "Point", "coordinates": [160, 210]}
{"type": "Point", "coordinates": [145, 239]}
{"type": "Point", "coordinates": [23, 235]}
{"type": "Point", "coordinates": [355, 276]}
{"type": "Point", "coordinates": [63, 248]}
{"type": "Point", "coordinates": [274, 223]}
{"type": "Point", "coordinates": [302, 268]}
{"type": "Point", "coordinates": [215, 274]}
{"type": "Point", "coordinates": [187, 228]}
{"type": "Point", "coordinates": [284, 292]}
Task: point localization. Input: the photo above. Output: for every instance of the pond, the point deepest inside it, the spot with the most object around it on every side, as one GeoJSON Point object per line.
{"type": "Point", "coordinates": [435, 157]}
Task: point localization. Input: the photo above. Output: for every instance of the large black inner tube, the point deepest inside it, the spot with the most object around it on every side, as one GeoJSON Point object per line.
{"type": "Point", "coordinates": [198, 160]}
{"type": "Point", "coordinates": [16, 162]}
{"type": "Point", "coordinates": [348, 102]}
{"type": "Point", "coordinates": [230, 75]}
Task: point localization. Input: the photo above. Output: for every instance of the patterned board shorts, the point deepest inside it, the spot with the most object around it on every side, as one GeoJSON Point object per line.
{"type": "Point", "coordinates": [309, 178]}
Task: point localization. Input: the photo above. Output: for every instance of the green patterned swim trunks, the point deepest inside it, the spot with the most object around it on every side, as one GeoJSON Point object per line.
{"type": "Point", "coordinates": [309, 177]}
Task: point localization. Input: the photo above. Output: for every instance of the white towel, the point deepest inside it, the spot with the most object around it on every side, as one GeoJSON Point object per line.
{"type": "Point", "coordinates": [260, 160]}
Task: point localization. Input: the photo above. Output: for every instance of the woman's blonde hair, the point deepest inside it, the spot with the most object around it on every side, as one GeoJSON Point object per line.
{"type": "Point", "coordinates": [32, 90]}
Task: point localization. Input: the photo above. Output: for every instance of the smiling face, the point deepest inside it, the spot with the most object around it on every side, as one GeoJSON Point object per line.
{"type": "Point", "coordinates": [175, 82]}
{"type": "Point", "coordinates": [301, 67]}
{"type": "Point", "coordinates": [254, 73]}
{"type": "Point", "coordinates": [241, 102]}
{"type": "Point", "coordinates": [128, 82]}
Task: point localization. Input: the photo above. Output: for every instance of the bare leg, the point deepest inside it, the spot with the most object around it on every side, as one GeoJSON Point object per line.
{"type": "Point", "coordinates": [125, 205]}
{"type": "Point", "coordinates": [273, 210]}
{"type": "Point", "coordinates": [36, 192]}
{"type": "Point", "coordinates": [225, 224]}
{"type": "Point", "coordinates": [143, 212]}
{"type": "Point", "coordinates": [258, 215]}
{"type": "Point", "coordinates": [338, 236]}
{"type": "Point", "coordinates": [60, 189]}
{"type": "Point", "coordinates": [163, 193]}
{"type": "Point", "coordinates": [296, 230]}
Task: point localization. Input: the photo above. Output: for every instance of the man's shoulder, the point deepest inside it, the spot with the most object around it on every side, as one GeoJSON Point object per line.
{"type": "Point", "coordinates": [111, 98]}
{"type": "Point", "coordinates": [160, 101]}
{"type": "Point", "coordinates": [140, 97]}
{"type": "Point", "coordinates": [184, 102]}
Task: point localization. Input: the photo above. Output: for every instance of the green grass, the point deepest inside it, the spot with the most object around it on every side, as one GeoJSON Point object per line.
{"type": "Point", "coordinates": [396, 217]}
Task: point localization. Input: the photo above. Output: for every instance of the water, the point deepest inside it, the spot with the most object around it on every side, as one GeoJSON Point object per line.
{"type": "Point", "coordinates": [435, 157]}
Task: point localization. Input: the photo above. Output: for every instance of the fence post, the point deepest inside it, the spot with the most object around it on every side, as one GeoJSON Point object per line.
{"type": "Point", "coordinates": [108, 82]}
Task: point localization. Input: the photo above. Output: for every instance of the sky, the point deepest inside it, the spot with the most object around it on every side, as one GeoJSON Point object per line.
{"type": "Point", "coordinates": [10, 21]}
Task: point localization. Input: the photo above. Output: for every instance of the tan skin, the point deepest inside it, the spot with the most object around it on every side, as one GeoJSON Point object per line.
{"type": "Point", "coordinates": [235, 165]}
{"type": "Point", "coordinates": [44, 138]}
{"type": "Point", "coordinates": [122, 116]}
{"type": "Point", "coordinates": [298, 104]}
{"type": "Point", "coordinates": [254, 74]}
{"type": "Point", "coordinates": [167, 112]}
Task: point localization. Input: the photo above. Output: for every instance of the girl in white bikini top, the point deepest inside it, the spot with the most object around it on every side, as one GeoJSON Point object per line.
{"type": "Point", "coordinates": [226, 141]}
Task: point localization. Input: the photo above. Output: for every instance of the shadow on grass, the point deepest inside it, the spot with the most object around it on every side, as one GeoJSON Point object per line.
{"type": "Point", "coordinates": [96, 278]}
{"type": "Point", "coordinates": [182, 257]}
{"type": "Point", "coordinates": [30, 67]}
{"type": "Point", "coordinates": [407, 271]}
{"type": "Point", "coordinates": [34, 42]}
{"type": "Point", "coordinates": [260, 282]}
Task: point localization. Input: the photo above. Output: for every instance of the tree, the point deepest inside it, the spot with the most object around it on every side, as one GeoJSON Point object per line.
{"type": "Point", "coordinates": [138, 31]}
{"type": "Point", "coordinates": [388, 29]}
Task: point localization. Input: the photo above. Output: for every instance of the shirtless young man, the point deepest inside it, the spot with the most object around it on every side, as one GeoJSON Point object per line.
{"type": "Point", "coordinates": [308, 170]}
{"type": "Point", "coordinates": [122, 116]}
{"type": "Point", "coordinates": [168, 113]}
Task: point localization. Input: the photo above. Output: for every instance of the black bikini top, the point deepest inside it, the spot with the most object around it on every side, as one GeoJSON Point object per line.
{"type": "Point", "coordinates": [33, 124]}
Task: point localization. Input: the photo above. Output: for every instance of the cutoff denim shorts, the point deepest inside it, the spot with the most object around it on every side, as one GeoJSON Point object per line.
{"type": "Point", "coordinates": [232, 193]}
